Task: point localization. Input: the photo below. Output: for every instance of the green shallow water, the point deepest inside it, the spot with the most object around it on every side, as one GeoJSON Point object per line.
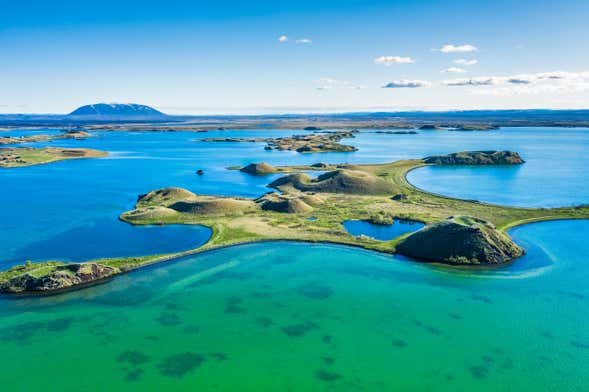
{"type": "Point", "coordinates": [300, 317]}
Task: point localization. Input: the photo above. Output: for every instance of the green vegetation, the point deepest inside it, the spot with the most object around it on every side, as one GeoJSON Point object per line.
{"type": "Point", "coordinates": [460, 240]}
{"type": "Point", "coordinates": [21, 157]}
{"type": "Point", "coordinates": [376, 192]}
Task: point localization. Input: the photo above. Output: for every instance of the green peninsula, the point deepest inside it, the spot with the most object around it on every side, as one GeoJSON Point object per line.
{"type": "Point", "coordinates": [313, 209]}
{"type": "Point", "coordinates": [28, 156]}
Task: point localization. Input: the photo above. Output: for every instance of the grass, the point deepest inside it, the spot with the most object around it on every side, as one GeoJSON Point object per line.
{"type": "Point", "coordinates": [27, 156]}
{"type": "Point", "coordinates": [234, 226]}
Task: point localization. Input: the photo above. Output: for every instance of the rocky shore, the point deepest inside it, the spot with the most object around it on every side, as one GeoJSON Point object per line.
{"type": "Point", "coordinates": [476, 158]}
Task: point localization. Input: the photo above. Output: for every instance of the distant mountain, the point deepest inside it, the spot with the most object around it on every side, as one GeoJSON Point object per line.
{"type": "Point", "coordinates": [116, 110]}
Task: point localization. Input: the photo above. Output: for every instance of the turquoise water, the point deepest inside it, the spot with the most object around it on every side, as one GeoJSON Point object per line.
{"type": "Point", "coordinates": [300, 317]}
{"type": "Point", "coordinates": [381, 232]}
{"type": "Point", "coordinates": [288, 316]}
{"type": "Point", "coordinates": [42, 203]}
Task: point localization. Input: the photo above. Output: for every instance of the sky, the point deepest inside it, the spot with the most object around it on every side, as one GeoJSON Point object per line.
{"type": "Point", "coordinates": [217, 57]}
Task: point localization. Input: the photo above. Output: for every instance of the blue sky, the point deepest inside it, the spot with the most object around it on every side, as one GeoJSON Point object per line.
{"type": "Point", "coordinates": [226, 56]}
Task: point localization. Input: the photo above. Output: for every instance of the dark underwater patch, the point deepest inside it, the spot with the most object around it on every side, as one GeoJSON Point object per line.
{"type": "Point", "coordinates": [134, 375]}
{"type": "Point", "coordinates": [327, 376]}
{"type": "Point", "coordinates": [328, 360]}
{"type": "Point", "coordinates": [179, 365]}
{"type": "Point", "coordinates": [578, 344]}
{"type": "Point", "coordinates": [60, 324]}
{"type": "Point", "coordinates": [315, 291]}
{"type": "Point", "coordinates": [191, 329]}
{"type": "Point", "coordinates": [169, 319]}
{"type": "Point", "coordinates": [264, 322]}
{"type": "Point", "coordinates": [233, 306]}
{"type": "Point", "coordinates": [298, 330]}
{"type": "Point", "coordinates": [133, 357]}
{"type": "Point", "coordinates": [478, 372]}
{"type": "Point", "coordinates": [400, 343]}
{"type": "Point", "coordinates": [219, 356]}
{"type": "Point", "coordinates": [481, 298]}
{"type": "Point", "coordinates": [21, 333]}
{"type": "Point", "coordinates": [327, 339]}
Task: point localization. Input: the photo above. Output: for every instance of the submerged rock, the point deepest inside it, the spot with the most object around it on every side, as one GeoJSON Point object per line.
{"type": "Point", "coordinates": [258, 168]}
{"type": "Point", "coordinates": [460, 240]}
{"type": "Point", "coordinates": [476, 158]}
{"type": "Point", "coordinates": [58, 278]}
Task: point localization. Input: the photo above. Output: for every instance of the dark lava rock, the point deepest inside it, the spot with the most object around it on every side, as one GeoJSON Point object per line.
{"type": "Point", "coordinates": [460, 240]}
{"type": "Point", "coordinates": [59, 278]}
{"type": "Point", "coordinates": [476, 158]}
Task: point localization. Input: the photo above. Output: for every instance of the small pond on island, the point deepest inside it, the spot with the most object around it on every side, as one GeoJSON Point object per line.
{"type": "Point", "coordinates": [381, 232]}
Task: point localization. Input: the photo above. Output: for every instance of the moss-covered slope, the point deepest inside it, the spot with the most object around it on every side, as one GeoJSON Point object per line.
{"type": "Point", "coordinates": [460, 240]}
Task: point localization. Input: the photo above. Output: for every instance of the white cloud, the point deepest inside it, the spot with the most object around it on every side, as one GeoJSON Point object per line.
{"type": "Point", "coordinates": [390, 60]}
{"type": "Point", "coordinates": [479, 81]}
{"type": "Point", "coordinates": [458, 48]}
{"type": "Point", "coordinates": [466, 62]}
{"type": "Point", "coordinates": [407, 84]}
{"type": "Point", "coordinates": [283, 38]}
{"type": "Point", "coordinates": [331, 84]}
{"type": "Point", "coordinates": [303, 41]}
{"type": "Point", "coordinates": [454, 70]}
{"type": "Point", "coordinates": [556, 82]}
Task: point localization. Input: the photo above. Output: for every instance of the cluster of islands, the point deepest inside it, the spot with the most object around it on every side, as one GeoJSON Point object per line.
{"type": "Point", "coordinates": [301, 207]}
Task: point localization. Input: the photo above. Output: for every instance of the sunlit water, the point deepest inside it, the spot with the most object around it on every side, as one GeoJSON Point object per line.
{"type": "Point", "coordinates": [381, 232]}
{"type": "Point", "coordinates": [287, 316]}
{"type": "Point", "coordinates": [43, 203]}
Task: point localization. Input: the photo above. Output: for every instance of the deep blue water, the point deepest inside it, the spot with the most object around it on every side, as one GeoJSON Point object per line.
{"type": "Point", "coordinates": [381, 232]}
{"type": "Point", "coordinates": [41, 203]}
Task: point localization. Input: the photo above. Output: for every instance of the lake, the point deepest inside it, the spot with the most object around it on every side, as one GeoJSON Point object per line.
{"type": "Point", "coordinates": [280, 316]}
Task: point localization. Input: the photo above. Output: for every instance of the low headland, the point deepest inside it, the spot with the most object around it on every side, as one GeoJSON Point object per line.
{"type": "Point", "coordinates": [4, 140]}
{"type": "Point", "coordinates": [372, 192]}
{"type": "Point", "coordinates": [28, 156]}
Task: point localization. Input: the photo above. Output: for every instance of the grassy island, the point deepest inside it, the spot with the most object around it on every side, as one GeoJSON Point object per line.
{"type": "Point", "coordinates": [28, 156]}
{"type": "Point", "coordinates": [316, 142]}
{"type": "Point", "coordinates": [43, 138]}
{"type": "Point", "coordinates": [374, 192]}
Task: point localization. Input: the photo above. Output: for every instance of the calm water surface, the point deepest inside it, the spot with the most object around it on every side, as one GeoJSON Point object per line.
{"type": "Point", "coordinates": [44, 203]}
{"type": "Point", "coordinates": [286, 316]}
{"type": "Point", "coordinates": [301, 317]}
{"type": "Point", "coordinates": [381, 232]}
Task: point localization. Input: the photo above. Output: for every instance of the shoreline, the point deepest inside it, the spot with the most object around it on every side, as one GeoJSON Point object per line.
{"type": "Point", "coordinates": [240, 221]}
{"type": "Point", "coordinates": [203, 249]}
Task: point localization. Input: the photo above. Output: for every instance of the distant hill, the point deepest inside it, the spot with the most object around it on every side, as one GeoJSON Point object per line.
{"type": "Point", "coordinates": [116, 110]}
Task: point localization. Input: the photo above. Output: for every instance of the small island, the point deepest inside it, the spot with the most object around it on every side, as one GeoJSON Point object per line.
{"type": "Point", "coordinates": [28, 156]}
{"type": "Point", "coordinates": [476, 158]}
{"type": "Point", "coordinates": [313, 209]}
{"type": "Point", "coordinates": [4, 140]}
{"type": "Point", "coordinates": [316, 142]}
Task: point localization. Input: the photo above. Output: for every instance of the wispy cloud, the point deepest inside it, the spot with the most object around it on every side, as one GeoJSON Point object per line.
{"type": "Point", "coordinates": [556, 82]}
{"type": "Point", "coordinates": [390, 60]}
{"type": "Point", "coordinates": [303, 41]}
{"type": "Point", "coordinates": [448, 48]}
{"type": "Point", "coordinates": [283, 38]}
{"type": "Point", "coordinates": [539, 77]}
{"type": "Point", "coordinates": [478, 81]}
{"type": "Point", "coordinates": [466, 62]}
{"type": "Point", "coordinates": [454, 70]}
{"type": "Point", "coordinates": [407, 84]}
{"type": "Point", "coordinates": [331, 84]}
